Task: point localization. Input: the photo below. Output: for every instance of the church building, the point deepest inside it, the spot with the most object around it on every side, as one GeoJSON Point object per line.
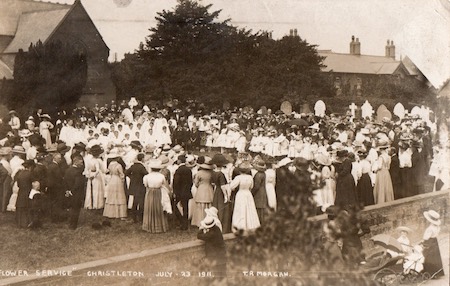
{"type": "Point", "coordinates": [23, 22]}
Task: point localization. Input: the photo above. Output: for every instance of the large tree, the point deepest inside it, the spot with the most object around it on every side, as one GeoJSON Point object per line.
{"type": "Point", "coordinates": [190, 54]}
{"type": "Point", "coordinates": [49, 76]}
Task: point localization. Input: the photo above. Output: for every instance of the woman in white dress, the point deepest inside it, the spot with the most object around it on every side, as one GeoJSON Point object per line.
{"type": "Point", "coordinates": [95, 171]}
{"type": "Point", "coordinates": [245, 216]}
{"type": "Point", "coordinates": [44, 127]}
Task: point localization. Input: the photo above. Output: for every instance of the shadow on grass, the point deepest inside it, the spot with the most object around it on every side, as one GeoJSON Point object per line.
{"type": "Point", "coordinates": [55, 245]}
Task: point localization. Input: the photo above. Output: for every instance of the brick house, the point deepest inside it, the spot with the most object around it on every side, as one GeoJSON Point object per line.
{"type": "Point", "coordinates": [23, 22]}
{"type": "Point", "coordinates": [354, 74]}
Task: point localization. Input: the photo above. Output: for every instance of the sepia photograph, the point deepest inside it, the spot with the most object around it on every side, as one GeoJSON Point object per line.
{"type": "Point", "coordinates": [224, 142]}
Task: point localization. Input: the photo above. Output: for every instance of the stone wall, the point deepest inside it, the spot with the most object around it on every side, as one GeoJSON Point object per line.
{"type": "Point", "coordinates": [384, 218]}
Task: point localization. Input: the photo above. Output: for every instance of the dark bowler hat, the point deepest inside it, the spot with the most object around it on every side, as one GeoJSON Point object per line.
{"type": "Point", "coordinates": [62, 148]}
{"type": "Point", "coordinates": [219, 160]}
{"type": "Point", "coordinates": [80, 146]}
{"type": "Point", "coordinates": [136, 144]}
{"type": "Point", "coordinates": [96, 150]}
{"type": "Point", "coordinates": [28, 163]}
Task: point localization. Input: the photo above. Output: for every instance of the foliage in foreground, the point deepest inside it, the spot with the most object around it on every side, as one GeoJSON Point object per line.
{"type": "Point", "coordinates": [291, 242]}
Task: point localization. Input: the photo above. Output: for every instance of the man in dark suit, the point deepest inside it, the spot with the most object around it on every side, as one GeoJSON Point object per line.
{"type": "Point", "coordinates": [75, 185]}
{"type": "Point", "coordinates": [136, 174]}
{"type": "Point", "coordinates": [182, 185]}
{"type": "Point", "coordinates": [55, 187]}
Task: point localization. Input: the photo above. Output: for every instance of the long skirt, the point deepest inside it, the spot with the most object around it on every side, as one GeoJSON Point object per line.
{"type": "Point", "coordinates": [433, 261]}
{"type": "Point", "coordinates": [45, 133]}
{"type": "Point", "coordinates": [7, 192]}
{"type": "Point", "coordinates": [95, 193]}
{"type": "Point", "coordinates": [116, 202]}
{"type": "Point", "coordinates": [406, 178]}
{"type": "Point", "coordinates": [245, 216]}
{"type": "Point", "coordinates": [13, 199]}
{"type": "Point", "coordinates": [224, 210]}
{"type": "Point", "coordinates": [198, 213]}
{"type": "Point", "coordinates": [155, 220]}
{"type": "Point", "coordinates": [22, 217]}
{"type": "Point", "coordinates": [365, 190]}
{"type": "Point", "coordinates": [383, 191]}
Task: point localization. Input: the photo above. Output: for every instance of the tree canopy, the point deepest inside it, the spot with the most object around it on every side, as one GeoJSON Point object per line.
{"type": "Point", "coordinates": [190, 54]}
{"type": "Point", "coordinates": [47, 76]}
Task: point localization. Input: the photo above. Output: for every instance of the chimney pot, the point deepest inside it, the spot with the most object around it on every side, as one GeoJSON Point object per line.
{"type": "Point", "coordinates": [353, 38]}
{"type": "Point", "coordinates": [357, 47]}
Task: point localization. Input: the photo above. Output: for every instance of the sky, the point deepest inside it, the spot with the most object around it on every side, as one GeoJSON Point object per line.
{"type": "Point", "coordinates": [420, 29]}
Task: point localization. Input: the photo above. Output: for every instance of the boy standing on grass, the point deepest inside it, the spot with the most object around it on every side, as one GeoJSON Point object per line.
{"type": "Point", "coordinates": [36, 205]}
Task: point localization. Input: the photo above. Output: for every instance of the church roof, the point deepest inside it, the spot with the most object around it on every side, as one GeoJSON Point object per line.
{"type": "Point", "coordinates": [5, 71]}
{"type": "Point", "coordinates": [35, 26]}
{"type": "Point", "coordinates": [358, 64]}
{"type": "Point", "coordinates": [11, 10]}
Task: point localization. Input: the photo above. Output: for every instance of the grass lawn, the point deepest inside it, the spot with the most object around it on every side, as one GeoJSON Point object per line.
{"type": "Point", "coordinates": [55, 245]}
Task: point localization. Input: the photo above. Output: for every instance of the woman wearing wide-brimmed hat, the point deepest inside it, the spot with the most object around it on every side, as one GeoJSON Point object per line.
{"type": "Point", "coordinates": [383, 191]}
{"type": "Point", "coordinates": [44, 129]}
{"type": "Point", "coordinates": [345, 183]}
{"type": "Point", "coordinates": [203, 197]}
{"type": "Point", "coordinates": [14, 122]}
{"type": "Point", "coordinates": [245, 216]}
{"type": "Point", "coordinates": [155, 205]}
{"type": "Point", "coordinates": [95, 170]}
{"type": "Point", "coordinates": [222, 193]}
{"type": "Point", "coordinates": [431, 252]}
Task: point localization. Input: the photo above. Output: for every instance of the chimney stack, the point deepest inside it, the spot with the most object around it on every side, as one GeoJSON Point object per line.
{"type": "Point", "coordinates": [291, 32]}
{"type": "Point", "coordinates": [390, 49]}
{"type": "Point", "coordinates": [355, 46]}
{"type": "Point", "coordinates": [295, 32]}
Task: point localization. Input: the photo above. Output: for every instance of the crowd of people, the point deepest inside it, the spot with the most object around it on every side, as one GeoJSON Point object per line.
{"type": "Point", "coordinates": [152, 165]}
